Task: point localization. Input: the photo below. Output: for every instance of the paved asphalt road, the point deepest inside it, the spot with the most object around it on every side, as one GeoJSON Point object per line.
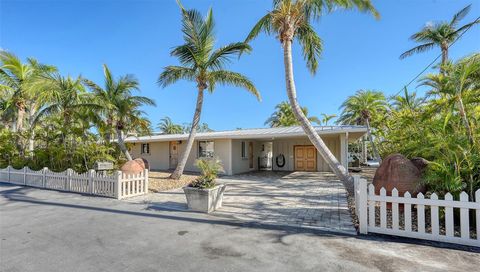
{"type": "Point", "coordinates": [43, 230]}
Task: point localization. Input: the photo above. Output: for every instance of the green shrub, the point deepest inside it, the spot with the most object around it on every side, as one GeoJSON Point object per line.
{"type": "Point", "coordinates": [209, 168]}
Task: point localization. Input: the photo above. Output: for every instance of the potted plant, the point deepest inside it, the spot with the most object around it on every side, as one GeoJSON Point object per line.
{"type": "Point", "coordinates": [204, 194]}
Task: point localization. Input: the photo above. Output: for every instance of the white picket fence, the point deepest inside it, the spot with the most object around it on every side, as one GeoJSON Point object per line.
{"type": "Point", "coordinates": [366, 202]}
{"type": "Point", "coordinates": [118, 185]}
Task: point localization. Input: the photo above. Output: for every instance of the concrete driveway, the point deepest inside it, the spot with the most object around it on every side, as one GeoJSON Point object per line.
{"type": "Point", "coordinates": [298, 199]}
{"type": "Point", "coordinates": [43, 230]}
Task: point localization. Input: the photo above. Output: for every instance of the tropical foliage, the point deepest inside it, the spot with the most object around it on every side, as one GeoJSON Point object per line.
{"type": "Point", "coordinates": [361, 109]}
{"type": "Point", "coordinates": [442, 126]}
{"type": "Point", "coordinates": [284, 117]}
{"type": "Point", "coordinates": [55, 121]}
{"type": "Point", "coordinates": [209, 169]}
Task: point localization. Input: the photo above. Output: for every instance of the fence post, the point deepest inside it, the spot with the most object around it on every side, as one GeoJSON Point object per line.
{"type": "Point", "coordinates": [44, 178]}
{"type": "Point", "coordinates": [118, 185]}
{"type": "Point", "coordinates": [24, 175]}
{"type": "Point", "coordinates": [68, 182]}
{"type": "Point", "coordinates": [145, 173]}
{"type": "Point", "coordinates": [356, 180]}
{"type": "Point", "coordinates": [8, 173]}
{"type": "Point", "coordinates": [91, 175]}
{"type": "Point", "coordinates": [363, 206]}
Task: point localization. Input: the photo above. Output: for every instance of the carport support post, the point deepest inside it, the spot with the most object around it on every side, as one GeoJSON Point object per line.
{"type": "Point", "coordinates": [362, 206]}
{"type": "Point", "coordinates": [118, 185]}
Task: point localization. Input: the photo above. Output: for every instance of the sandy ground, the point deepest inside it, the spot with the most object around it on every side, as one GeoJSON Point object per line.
{"type": "Point", "coordinates": [160, 181]}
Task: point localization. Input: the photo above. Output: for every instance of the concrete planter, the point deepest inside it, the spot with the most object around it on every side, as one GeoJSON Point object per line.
{"type": "Point", "coordinates": [204, 200]}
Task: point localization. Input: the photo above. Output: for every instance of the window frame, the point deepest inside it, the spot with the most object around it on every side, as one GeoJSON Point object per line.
{"type": "Point", "coordinates": [243, 150]}
{"type": "Point", "coordinates": [142, 149]}
{"type": "Point", "coordinates": [199, 153]}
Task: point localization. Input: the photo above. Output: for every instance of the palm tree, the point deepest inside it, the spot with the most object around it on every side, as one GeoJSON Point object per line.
{"type": "Point", "coordinates": [327, 117]}
{"type": "Point", "coordinates": [166, 126]}
{"type": "Point", "coordinates": [361, 108]}
{"type": "Point", "coordinates": [407, 101]}
{"type": "Point", "coordinates": [16, 79]}
{"type": "Point", "coordinates": [457, 85]}
{"type": "Point", "coordinates": [290, 20]}
{"type": "Point", "coordinates": [204, 65]}
{"type": "Point", "coordinates": [119, 110]}
{"type": "Point", "coordinates": [284, 117]}
{"type": "Point", "coordinates": [441, 34]}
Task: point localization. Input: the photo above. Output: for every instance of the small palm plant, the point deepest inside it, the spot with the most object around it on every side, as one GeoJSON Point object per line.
{"type": "Point", "coordinates": [209, 168]}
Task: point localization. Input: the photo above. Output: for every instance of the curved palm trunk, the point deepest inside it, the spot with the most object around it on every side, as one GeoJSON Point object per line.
{"type": "Point", "coordinates": [463, 114]}
{"type": "Point", "coordinates": [322, 148]}
{"type": "Point", "coordinates": [121, 144]}
{"type": "Point", "coordinates": [374, 147]}
{"type": "Point", "coordinates": [191, 138]}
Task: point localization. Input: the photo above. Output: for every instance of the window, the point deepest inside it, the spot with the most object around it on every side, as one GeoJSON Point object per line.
{"type": "Point", "coordinates": [205, 149]}
{"type": "Point", "coordinates": [145, 149]}
{"type": "Point", "coordinates": [244, 150]}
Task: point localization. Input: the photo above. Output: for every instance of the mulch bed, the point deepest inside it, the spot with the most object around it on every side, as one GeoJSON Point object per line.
{"type": "Point", "coordinates": [161, 181]}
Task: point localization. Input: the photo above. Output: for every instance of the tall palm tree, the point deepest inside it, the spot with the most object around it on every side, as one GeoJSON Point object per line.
{"type": "Point", "coordinates": [166, 126]}
{"type": "Point", "coordinates": [119, 110]}
{"type": "Point", "coordinates": [16, 80]}
{"type": "Point", "coordinates": [361, 108]}
{"type": "Point", "coordinates": [284, 117]}
{"type": "Point", "coordinates": [441, 34]}
{"type": "Point", "coordinates": [204, 65]}
{"type": "Point", "coordinates": [290, 20]}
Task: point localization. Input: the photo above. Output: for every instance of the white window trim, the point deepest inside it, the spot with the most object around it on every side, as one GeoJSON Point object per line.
{"type": "Point", "coordinates": [198, 148]}
{"type": "Point", "coordinates": [148, 148]}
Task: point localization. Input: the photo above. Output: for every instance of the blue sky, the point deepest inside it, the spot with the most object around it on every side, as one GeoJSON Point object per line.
{"type": "Point", "coordinates": [136, 37]}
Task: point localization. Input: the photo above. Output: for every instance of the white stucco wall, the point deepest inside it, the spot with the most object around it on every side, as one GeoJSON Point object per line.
{"type": "Point", "coordinates": [242, 165]}
{"type": "Point", "coordinates": [159, 157]}
{"type": "Point", "coordinates": [229, 152]}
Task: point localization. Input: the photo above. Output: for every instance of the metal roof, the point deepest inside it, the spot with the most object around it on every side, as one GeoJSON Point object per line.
{"type": "Point", "coordinates": [255, 133]}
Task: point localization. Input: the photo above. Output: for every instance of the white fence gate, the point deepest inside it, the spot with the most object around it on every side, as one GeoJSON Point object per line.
{"type": "Point", "coordinates": [387, 221]}
{"type": "Point", "coordinates": [118, 185]}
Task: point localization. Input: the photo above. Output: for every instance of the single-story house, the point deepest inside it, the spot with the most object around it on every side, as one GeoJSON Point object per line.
{"type": "Point", "coordinates": [244, 150]}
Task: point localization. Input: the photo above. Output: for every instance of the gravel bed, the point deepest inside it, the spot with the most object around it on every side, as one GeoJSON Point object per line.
{"type": "Point", "coordinates": [161, 181]}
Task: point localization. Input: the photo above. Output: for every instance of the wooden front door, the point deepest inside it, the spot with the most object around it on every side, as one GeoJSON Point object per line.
{"type": "Point", "coordinates": [305, 158]}
{"type": "Point", "coordinates": [173, 154]}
